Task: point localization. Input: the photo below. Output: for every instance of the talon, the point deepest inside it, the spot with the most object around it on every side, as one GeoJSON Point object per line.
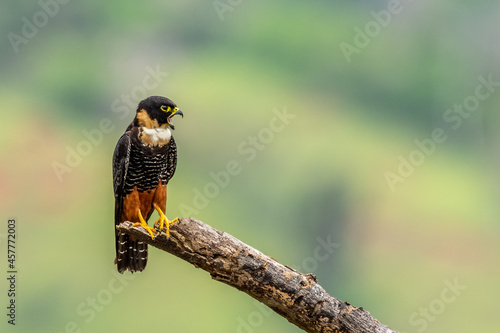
{"type": "Point", "coordinates": [145, 225]}
{"type": "Point", "coordinates": [163, 221]}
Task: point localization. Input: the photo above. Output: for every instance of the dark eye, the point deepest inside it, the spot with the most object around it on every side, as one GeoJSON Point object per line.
{"type": "Point", "coordinates": [165, 108]}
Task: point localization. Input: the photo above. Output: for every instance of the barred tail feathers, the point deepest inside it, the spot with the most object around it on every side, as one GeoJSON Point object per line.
{"type": "Point", "coordinates": [131, 254]}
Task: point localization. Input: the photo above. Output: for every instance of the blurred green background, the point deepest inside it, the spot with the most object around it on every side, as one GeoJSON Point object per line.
{"type": "Point", "coordinates": [421, 255]}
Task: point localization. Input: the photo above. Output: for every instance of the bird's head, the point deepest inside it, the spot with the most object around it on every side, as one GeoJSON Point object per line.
{"type": "Point", "coordinates": [157, 112]}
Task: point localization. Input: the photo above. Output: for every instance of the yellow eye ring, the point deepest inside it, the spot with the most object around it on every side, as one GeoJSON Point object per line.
{"type": "Point", "coordinates": [165, 108]}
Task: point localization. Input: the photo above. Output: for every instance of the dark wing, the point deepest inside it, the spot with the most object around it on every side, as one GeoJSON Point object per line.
{"type": "Point", "coordinates": [121, 159]}
{"type": "Point", "coordinates": [171, 159]}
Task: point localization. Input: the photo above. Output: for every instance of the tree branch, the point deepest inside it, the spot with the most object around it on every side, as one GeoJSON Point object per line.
{"type": "Point", "coordinates": [295, 296]}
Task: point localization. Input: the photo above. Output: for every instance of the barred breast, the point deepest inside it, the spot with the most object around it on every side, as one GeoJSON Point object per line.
{"type": "Point", "coordinates": [147, 166]}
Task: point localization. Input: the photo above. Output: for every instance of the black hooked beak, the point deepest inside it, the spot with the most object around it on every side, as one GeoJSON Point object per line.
{"type": "Point", "coordinates": [173, 114]}
{"type": "Point", "coordinates": [179, 112]}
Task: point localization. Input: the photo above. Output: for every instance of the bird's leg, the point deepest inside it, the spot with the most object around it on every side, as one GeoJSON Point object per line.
{"type": "Point", "coordinates": [145, 225]}
{"type": "Point", "coordinates": [163, 221]}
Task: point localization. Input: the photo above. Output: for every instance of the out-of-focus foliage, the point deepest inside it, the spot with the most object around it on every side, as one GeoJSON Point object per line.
{"type": "Point", "coordinates": [317, 176]}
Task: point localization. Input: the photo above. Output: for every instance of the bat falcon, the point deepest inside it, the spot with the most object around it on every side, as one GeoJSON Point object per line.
{"type": "Point", "coordinates": [144, 160]}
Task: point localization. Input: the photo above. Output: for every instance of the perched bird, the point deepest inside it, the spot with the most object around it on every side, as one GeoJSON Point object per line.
{"type": "Point", "coordinates": [144, 160]}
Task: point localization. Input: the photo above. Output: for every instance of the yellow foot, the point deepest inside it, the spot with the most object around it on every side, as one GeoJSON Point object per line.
{"type": "Point", "coordinates": [145, 225]}
{"type": "Point", "coordinates": [163, 221]}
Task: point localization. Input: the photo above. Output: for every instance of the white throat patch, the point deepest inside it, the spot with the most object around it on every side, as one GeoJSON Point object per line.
{"type": "Point", "coordinates": [156, 136]}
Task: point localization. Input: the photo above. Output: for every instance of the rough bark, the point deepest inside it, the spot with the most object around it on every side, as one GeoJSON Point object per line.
{"type": "Point", "coordinates": [295, 296]}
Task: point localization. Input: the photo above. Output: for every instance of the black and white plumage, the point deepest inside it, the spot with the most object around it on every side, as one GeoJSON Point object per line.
{"type": "Point", "coordinates": [144, 161]}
